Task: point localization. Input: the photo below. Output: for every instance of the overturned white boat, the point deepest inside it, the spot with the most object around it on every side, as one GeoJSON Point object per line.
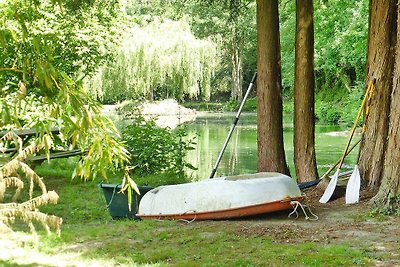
{"type": "Point", "coordinates": [220, 198]}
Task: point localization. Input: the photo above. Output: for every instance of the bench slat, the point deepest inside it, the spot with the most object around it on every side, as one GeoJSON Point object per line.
{"type": "Point", "coordinates": [55, 155]}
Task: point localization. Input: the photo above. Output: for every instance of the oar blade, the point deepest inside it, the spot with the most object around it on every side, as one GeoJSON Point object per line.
{"type": "Point", "coordinates": [353, 187]}
{"type": "Point", "coordinates": [330, 188]}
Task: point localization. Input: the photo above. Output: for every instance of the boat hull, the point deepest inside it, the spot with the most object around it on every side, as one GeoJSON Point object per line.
{"type": "Point", "coordinates": [221, 198]}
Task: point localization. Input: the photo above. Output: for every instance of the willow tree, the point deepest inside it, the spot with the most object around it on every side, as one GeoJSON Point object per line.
{"type": "Point", "coordinates": [304, 123]}
{"type": "Point", "coordinates": [161, 60]}
{"type": "Point", "coordinates": [379, 149]}
{"type": "Point", "coordinates": [271, 153]}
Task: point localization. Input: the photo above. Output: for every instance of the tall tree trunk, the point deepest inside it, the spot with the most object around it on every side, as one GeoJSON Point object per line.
{"type": "Point", "coordinates": [304, 124]}
{"type": "Point", "coordinates": [271, 153]}
{"type": "Point", "coordinates": [237, 71]}
{"type": "Point", "coordinates": [380, 62]}
{"type": "Point", "coordinates": [390, 185]}
{"type": "Point", "coordinates": [237, 64]}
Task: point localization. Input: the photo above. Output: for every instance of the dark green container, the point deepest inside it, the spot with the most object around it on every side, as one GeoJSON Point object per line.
{"type": "Point", "coordinates": [117, 203]}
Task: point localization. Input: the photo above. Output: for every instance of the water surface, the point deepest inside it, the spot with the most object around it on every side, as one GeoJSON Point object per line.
{"type": "Point", "coordinates": [210, 130]}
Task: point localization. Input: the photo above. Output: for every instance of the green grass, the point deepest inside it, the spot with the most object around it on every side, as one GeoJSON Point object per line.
{"type": "Point", "coordinates": [195, 244]}
{"type": "Point", "coordinates": [89, 232]}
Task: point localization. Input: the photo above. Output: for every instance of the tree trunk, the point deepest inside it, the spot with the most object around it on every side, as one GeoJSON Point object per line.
{"type": "Point", "coordinates": [390, 185]}
{"type": "Point", "coordinates": [380, 62]}
{"type": "Point", "coordinates": [237, 76]}
{"type": "Point", "coordinates": [237, 72]}
{"type": "Point", "coordinates": [304, 124]}
{"type": "Point", "coordinates": [271, 153]}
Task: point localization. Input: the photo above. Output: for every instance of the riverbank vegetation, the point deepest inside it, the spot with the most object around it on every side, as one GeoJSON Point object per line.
{"type": "Point", "coordinates": [340, 45]}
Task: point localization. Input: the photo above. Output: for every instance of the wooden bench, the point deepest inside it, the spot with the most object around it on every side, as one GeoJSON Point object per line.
{"type": "Point", "coordinates": [27, 134]}
{"type": "Point", "coordinates": [56, 155]}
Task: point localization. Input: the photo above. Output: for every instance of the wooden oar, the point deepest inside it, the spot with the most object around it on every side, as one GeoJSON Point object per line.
{"type": "Point", "coordinates": [354, 183]}
{"type": "Point", "coordinates": [221, 153]}
{"type": "Point", "coordinates": [332, 184]}
{"type": "Point", "coordinates": [305, 185]}
{"type": "Point", "coordinates": [337, 162]}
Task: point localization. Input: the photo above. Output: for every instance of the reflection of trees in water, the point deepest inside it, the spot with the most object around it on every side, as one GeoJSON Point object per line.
{"type": "Point", "coordinates": [239, 156]}
{"type": "Point", "coordinates": [233, 163]}
{"type": "Point", "coordinates": [241, 153]}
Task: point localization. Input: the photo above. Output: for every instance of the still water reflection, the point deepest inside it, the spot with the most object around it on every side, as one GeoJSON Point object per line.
{"type": "Point", "coordinates": [209, 131]}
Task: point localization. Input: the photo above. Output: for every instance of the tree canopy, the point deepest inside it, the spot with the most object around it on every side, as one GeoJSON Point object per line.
{"type": "Point", "coordinates": [45, 51]}
{"type": "Point", "coordinates": [160, 60]}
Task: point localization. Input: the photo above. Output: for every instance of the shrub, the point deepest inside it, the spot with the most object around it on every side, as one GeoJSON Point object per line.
{"type": "Point", "coordinates": [327, 112]}
{"type": "Point", "coordinates": [156, 150]}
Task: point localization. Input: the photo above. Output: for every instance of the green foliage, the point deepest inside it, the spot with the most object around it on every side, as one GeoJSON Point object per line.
{"type": "Point", "coordinates": [52, 36]}
{"type": "Point", "coordinates": [157, 61]}
{"type": "Point", "coordinates": [288, 107]}
{"type": "Point", "coordinates": [156, 150]}
{"type": "Point", "coordinates": [326, 112]}
{"type": "Point", "coordinates": [341, 107]}
{"type": "Point", "coordinates": [64, 168]}
{"type": "Point", "coordinates": [44, 51]}
{"type": "Point", "coordinates": [340, 34]}
{"type": "Point", "coordinates": [232, 26]}
{"type": "Point", "coordinates": [340, 42]}
{"type": "Point", "coordinates": [287, 12]}
{"type": "Point", "coordinates": [159, 179]}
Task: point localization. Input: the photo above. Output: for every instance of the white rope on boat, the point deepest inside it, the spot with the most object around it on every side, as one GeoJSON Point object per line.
{"type": "Point", "coordinates": [187, 221]}
{"type": "Point", "coordinates": [297, 204]}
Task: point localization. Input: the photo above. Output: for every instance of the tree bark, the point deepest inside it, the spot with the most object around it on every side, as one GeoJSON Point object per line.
{"type": "Point", "coordinates": [271, 153]}
{"type": "Point", "coordinates": [304, 123]}
{"type": "Point", "coordinates": [380, 63]}
{"type": "Point", "coordinates": [390, 185]}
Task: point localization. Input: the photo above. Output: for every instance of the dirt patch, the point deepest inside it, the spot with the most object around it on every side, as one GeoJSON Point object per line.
{"type": "Point", "coordinates": [337, 223]}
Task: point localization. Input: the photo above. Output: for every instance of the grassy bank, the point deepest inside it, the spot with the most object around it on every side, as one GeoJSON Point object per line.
{"type": "Point", "coordinates": [90, 237]}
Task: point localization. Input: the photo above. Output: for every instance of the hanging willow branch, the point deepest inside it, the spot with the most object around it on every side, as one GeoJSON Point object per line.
{"type": "Point", "coordinates": [12, 182]}
{"type": "Point", "coordinates": [10, 177]}
{"type": "Point", "coordinates": [163, 59]}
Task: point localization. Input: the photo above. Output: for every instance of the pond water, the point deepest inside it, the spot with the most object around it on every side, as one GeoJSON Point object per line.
{"type": "Point", "coordinates": [210, 130]}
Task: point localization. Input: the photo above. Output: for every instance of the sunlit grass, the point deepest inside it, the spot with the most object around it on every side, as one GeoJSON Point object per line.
{"type": "Point", "coordinates": [196, 244]}
{"type": "Point", "coordinates": [91, 238]}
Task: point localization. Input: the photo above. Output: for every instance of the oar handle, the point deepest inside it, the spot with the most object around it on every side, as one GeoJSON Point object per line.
{"type": "Point", "coordinates": [366, 113]}
{"type": "Point", "coordinates": [366, 96]}
{"type": "Point", "coordinates": [235, 121]}
{"type": "Point", "coordinates": [245, 97]}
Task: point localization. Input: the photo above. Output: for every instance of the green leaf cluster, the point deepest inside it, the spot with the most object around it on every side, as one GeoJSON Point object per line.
{"type": "Point", "coordinates": [45, 50]}
{"type": "Point", "coordinates": [340, 36]}
{"type": "Point", "coordinates": [156, 150]}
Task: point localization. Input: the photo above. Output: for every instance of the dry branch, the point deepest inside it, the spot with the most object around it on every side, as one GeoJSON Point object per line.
{"type": "Point", "coordinates": [10, 177]}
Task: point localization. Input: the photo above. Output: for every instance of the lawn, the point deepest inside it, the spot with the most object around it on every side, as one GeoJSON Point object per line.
{"type": "Point", "coordinates": [89, 237]}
